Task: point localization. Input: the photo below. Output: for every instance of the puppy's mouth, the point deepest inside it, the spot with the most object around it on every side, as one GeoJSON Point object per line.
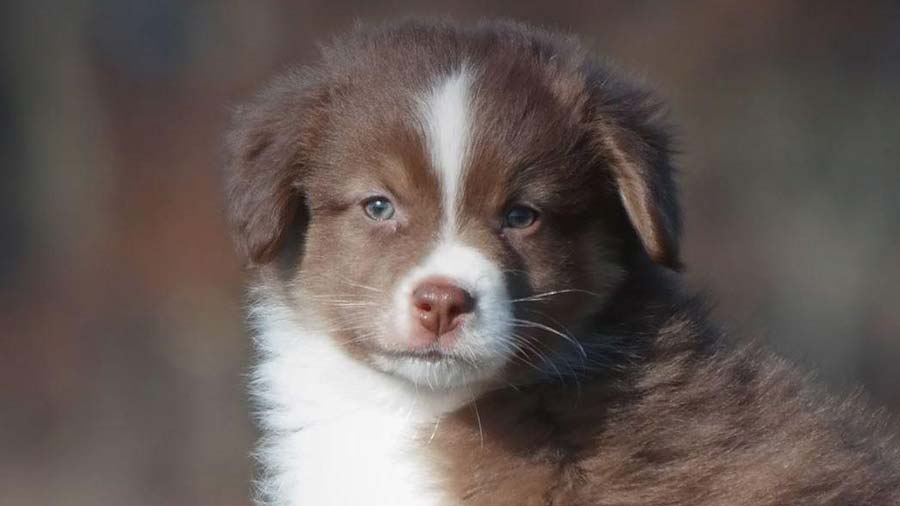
{"type": "Point", "coordinates": [429, 355]}
{"type": "Point", "coordinates": [437, 366]}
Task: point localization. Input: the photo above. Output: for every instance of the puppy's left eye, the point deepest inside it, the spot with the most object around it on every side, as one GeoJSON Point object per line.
{"type": "Point", "coordinates": [520, 217]}
{"type": "Point", "coordinates": [379, 208]}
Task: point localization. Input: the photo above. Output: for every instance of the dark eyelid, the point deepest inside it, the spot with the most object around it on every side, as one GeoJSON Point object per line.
{"type": "Point", "coordinates": [375, 192]}
{"type": "Point", "coordinates": [517, 202]}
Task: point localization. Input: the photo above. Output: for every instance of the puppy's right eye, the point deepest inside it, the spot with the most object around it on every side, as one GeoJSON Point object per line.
{"type": "Point", "coordinates": [379, 208]}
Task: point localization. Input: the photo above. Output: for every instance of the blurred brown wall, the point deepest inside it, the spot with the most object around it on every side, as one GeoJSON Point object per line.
{"type": "Point", "coordinates": [123, 357]}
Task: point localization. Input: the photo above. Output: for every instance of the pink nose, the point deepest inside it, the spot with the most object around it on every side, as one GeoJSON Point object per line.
{"type": "Point", "coordinates": [439, 305]}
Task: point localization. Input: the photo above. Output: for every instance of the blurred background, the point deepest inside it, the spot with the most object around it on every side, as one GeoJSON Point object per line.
{"type": "Point", "coordinates": [123, 356]}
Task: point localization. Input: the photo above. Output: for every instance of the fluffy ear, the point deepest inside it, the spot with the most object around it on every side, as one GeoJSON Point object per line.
{"type": "Point", "coordinates": [634, 143]}
{"type": "Point", "coordinates": [267, 151]}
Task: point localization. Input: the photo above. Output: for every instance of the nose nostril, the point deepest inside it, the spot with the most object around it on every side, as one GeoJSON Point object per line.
{"type": "Point", "coordinates": [458, 308]}
{"type": "Point", "coordinates": [465, 304]}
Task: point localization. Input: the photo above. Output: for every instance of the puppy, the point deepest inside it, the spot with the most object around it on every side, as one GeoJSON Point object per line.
{"type": "Point", "coordinates": [464, 242]}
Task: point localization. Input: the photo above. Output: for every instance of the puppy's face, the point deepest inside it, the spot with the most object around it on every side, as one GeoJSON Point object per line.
{"type": "Point", "coordinates": [457, 226]}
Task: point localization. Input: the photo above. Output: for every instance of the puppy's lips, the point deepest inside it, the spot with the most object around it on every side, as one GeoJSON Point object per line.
{"type": "Point", "coordinates": [429, 355]}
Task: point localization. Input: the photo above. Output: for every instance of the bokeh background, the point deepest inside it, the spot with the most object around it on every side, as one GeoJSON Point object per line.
{"type": "Point", "coordinates": [123, 356]}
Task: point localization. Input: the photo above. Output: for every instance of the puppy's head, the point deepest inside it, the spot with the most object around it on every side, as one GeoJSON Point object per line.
{"type": "Point", "coordinates": [462, 201]}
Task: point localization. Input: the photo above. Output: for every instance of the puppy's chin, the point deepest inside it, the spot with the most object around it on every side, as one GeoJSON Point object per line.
{"type": "Point", "coordinates": [439, 371]}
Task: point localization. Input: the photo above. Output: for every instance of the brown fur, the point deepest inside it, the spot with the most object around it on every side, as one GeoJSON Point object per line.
{"type": "Point", "coordinates": [662, 410]}
{"type": "Point", "coordinates": [683, 418]}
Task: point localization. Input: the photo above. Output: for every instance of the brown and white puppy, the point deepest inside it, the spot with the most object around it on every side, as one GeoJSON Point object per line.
{"type": "Point", "coordinates": [464, 241]}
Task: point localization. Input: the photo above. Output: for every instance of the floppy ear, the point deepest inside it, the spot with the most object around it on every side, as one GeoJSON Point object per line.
{"type": "Point", "coordinates": [633, 142]}
{"type": "Point", "coordinates": [267, 151]}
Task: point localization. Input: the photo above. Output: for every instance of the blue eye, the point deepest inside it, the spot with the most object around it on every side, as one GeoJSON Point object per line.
{"type": "Point", "coordinates": [520, 217]}
{"type": "Point", "coordinates": [379, 208]}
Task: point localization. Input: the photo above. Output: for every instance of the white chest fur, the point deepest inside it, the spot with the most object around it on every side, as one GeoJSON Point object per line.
{"type": "Point", "coordinates": [336, 431]}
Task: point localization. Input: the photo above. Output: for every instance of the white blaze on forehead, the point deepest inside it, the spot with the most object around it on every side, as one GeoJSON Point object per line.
{"type": "Point", "coordinates": [485, 337]}
{"type": "Point", "coordinates": [446, 120]}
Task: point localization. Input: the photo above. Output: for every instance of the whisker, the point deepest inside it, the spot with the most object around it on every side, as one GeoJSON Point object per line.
{"type": "Point", "coordinates": [437, 423]}
{"type": "Point", "coordinates": [343, 297]}
{"type": "Point", "coordinates": [544, 295]}
{"type": "Point", "coordinates": [530, 346]}
{"type": "Point", "coordinates": [360, 339]}
{"type": "Point", "coordinates": [524, 360]}
{"type": "Point", "coordinates": [562, 328]}
{"type": "Point", "coordinates": [358, 285]}
{"type": "Point", "coordinates": [573, 370]}
{"type": "Point", "coordinates": [478, 418]}
{"type": "Point", "coordinates": [349, 304]}
{"type": "Point", "coordinates": [547, 328]}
